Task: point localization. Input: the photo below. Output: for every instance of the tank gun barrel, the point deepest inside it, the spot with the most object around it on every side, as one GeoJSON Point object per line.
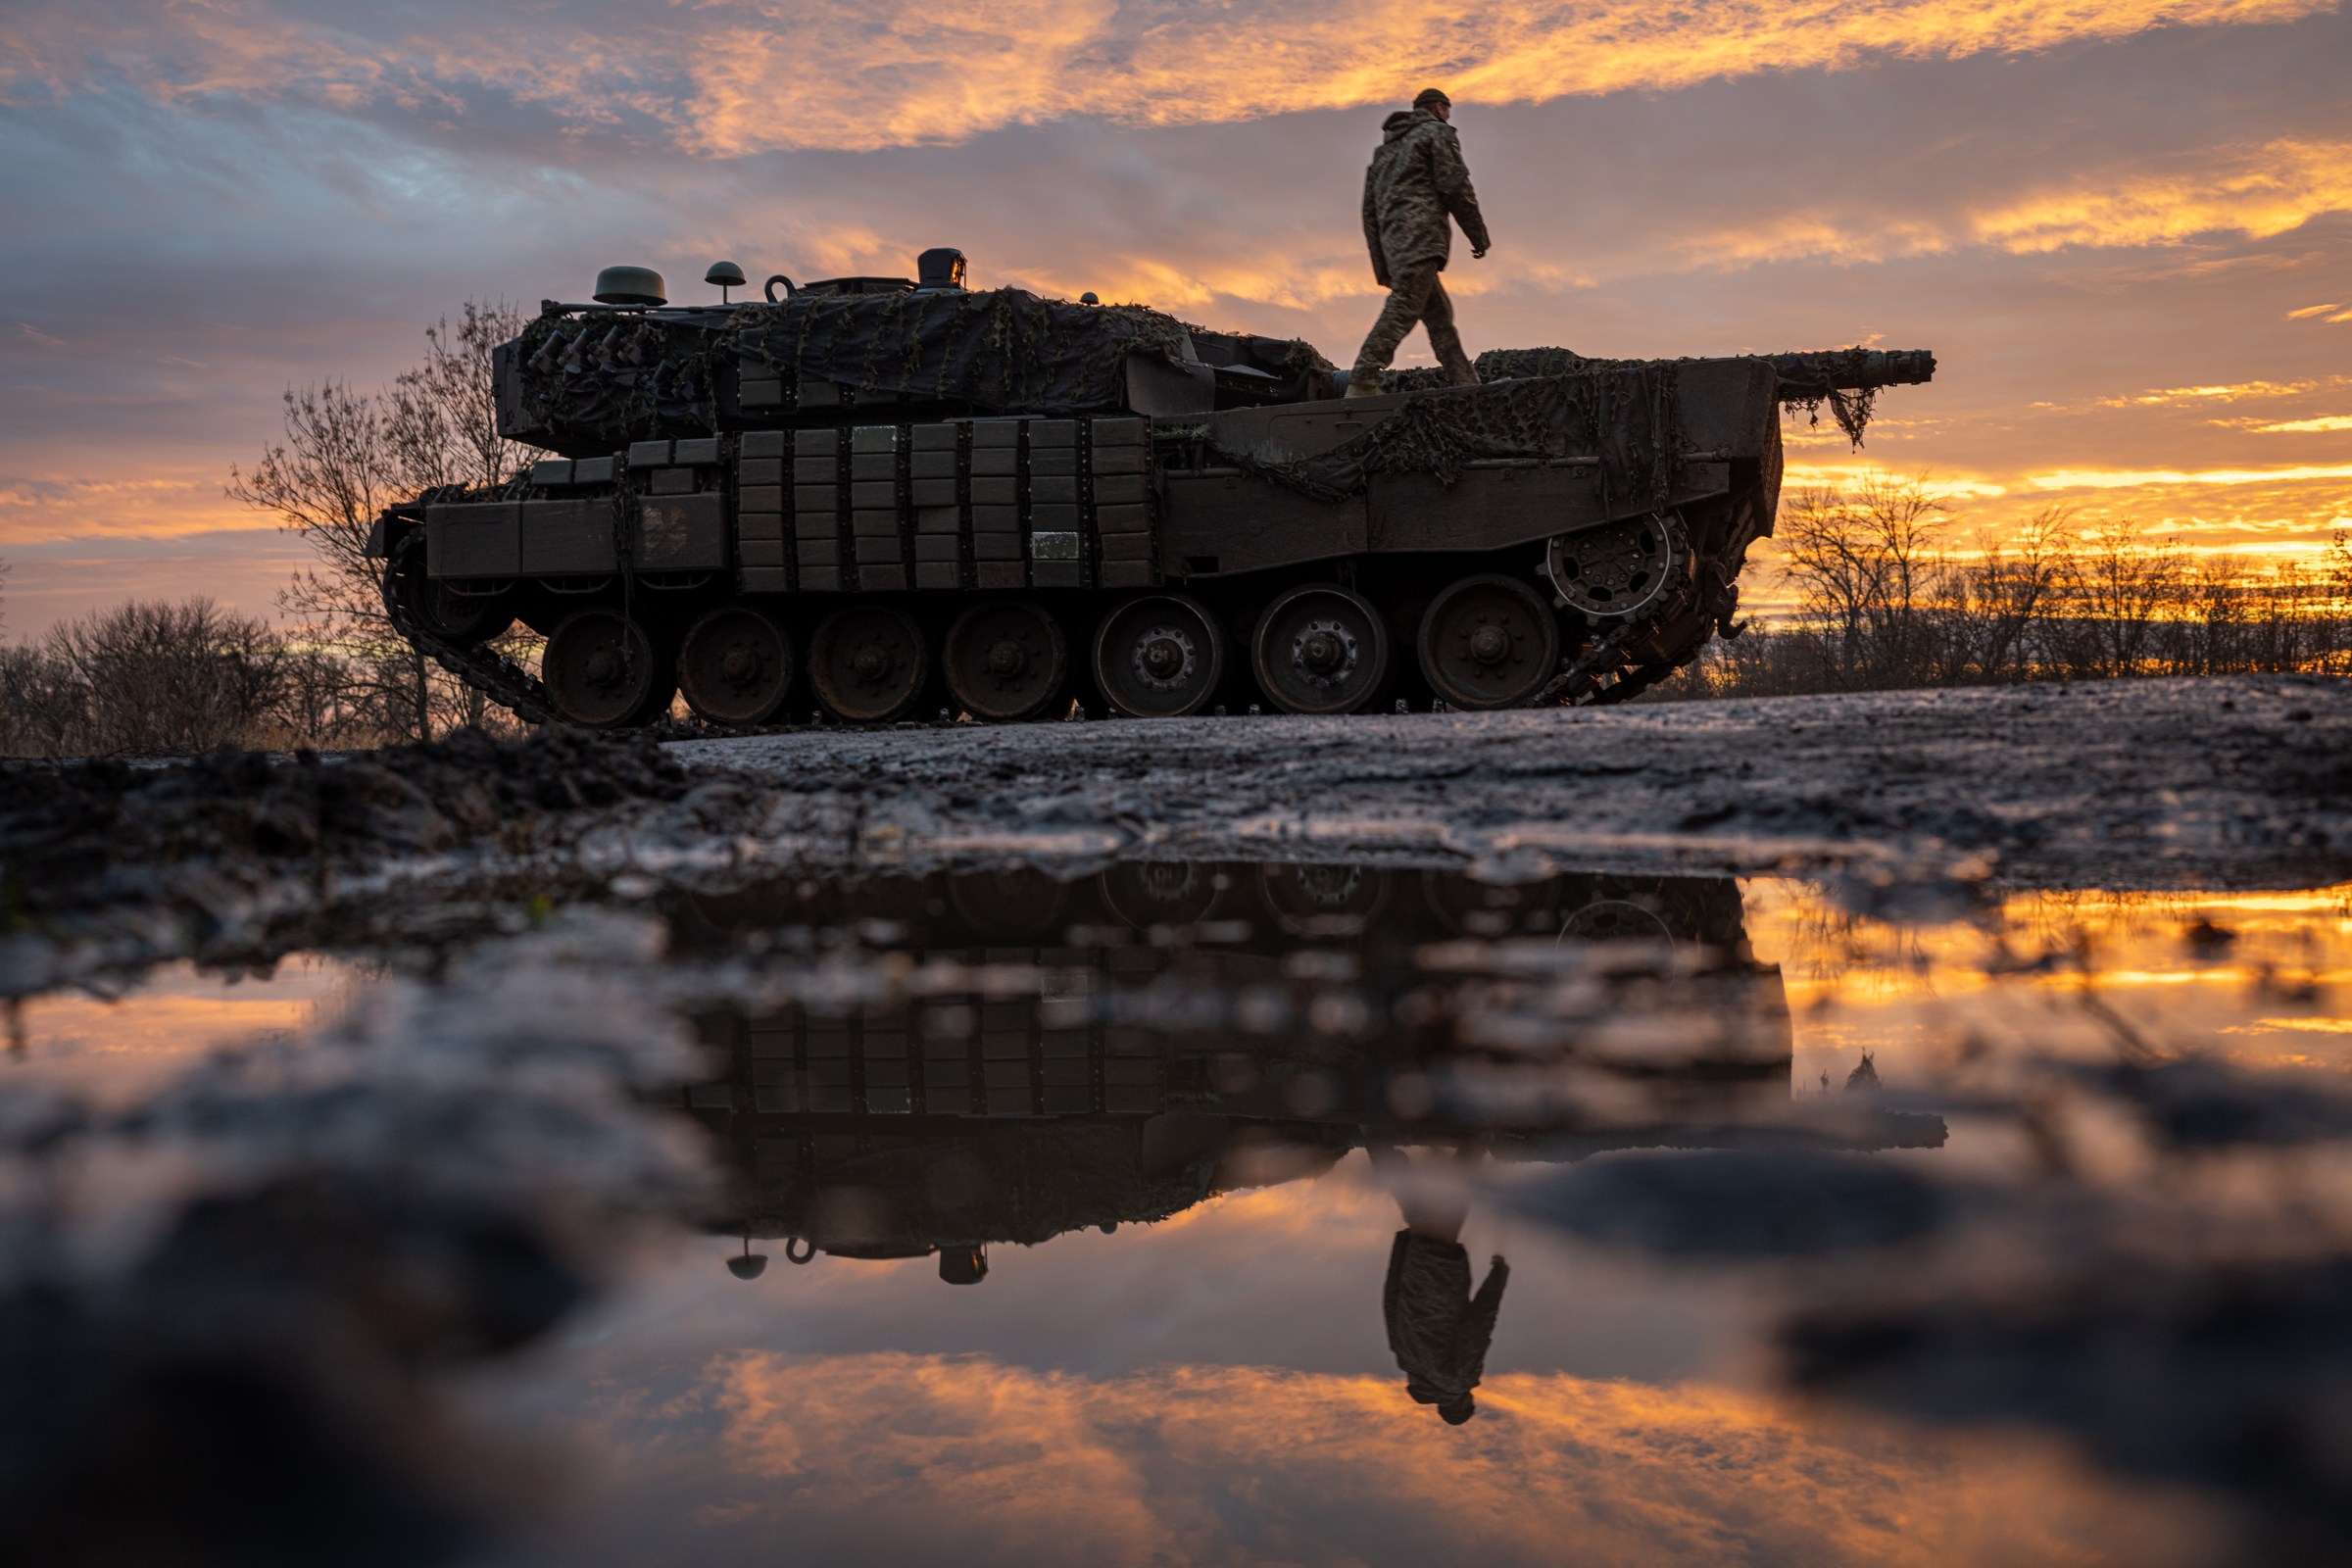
{"type": "Point", "coordinates": [1809, 375]}
{"type": "Point", "coordinates": [1814, 373]}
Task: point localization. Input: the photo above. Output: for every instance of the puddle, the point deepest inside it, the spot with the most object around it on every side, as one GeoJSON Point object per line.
{"type": "Point", "coordinates": [1196, 1212]}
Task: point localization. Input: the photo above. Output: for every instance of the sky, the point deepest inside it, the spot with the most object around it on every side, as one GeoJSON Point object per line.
{"type": "Point", "coordinates": [2125, 226]}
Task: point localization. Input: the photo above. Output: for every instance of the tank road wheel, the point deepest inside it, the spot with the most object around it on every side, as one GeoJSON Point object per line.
{"type": "Point", "coordinates": [1617, 568]}
{"type": "Point", "coordinates": [867, 663]}
{"type": "Point", "coordinates": [1159, 658]}
{"type": "Point", "coordinates": [1489, 642]}
{"type": "Point", "coordinates": [1005, 660]}
{"type": "Point", "coordinates": [605, 672]}
{"type": "Point", "coordinates": [1320, 650]}
{"type": "Point", "coordinates": [735, 667]}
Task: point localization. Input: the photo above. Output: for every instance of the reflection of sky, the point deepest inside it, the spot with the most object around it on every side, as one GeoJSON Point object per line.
{"type": "Point", "coordinates": [1218, 1387]}
{"type": "Point", "coordinates": [1219, 1391]}
{"type": "Point", "coordinates": [2123, 224]}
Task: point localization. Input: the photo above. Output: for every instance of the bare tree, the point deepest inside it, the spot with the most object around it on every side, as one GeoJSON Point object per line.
{"type": "Point", "coordinates": [2118, 588]}
{"type": "Point", "coordinates": [346, 454]}
{"type": "Point", "coordinates": [1989, 610]}
{"type": "Point", "coordinates": [1863, 563]}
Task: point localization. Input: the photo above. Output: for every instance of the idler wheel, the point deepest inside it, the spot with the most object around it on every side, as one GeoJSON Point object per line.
{"type": "Point", "coordinates": [1618, 568]}
{"type": "Point", "coordinates": [1320, 650]}
{"type": "Point", "coordinates": [1159, 656]}
{"type": "Point", "coordinates": [868, 664]}
{"type": "Point", "coordinates": [1489, 642]}
{"type": "Point", "coordinates": [465, 614]}
{"type": "Point", "coordinates": [735, 665]}
{"type": "Point", "coordinates": [605, 671]}
{"type": "Point", "coordinates": [1005, 660]}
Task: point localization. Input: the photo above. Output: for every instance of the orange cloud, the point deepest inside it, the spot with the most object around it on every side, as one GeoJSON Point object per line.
{"type": "Point", "coordinates": [2137, 479]}
{"type": "Point", "coordinates": [2253, 191]}
{"type": "Point", "coordinates": [1236, 1464]}
{"type": "Point", "coordinates": [841, 75]}
{"type": "Point", "coordinates": [727, 77]}
{"type": "Point", "coordinates": [2325, 422]}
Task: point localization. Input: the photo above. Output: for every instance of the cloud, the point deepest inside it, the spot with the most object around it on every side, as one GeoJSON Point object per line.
{"type": "Point", "coordinates": [1853, 476]}
{"type": "Point", "coordinates": [2336, 312]}
{"type": "Point", "coordinates": [2256, 191]}
{"type": "Point", "coordinates": [902, 1458]}
{"type": "Point", "coordinates": [2225, 392]}
{"type": "Point", "coordinates": [2325, 422]}
{"type": "Point", "coordinates": [730, 78]}
{"type": "Point", "coordinates": [2141, 478]}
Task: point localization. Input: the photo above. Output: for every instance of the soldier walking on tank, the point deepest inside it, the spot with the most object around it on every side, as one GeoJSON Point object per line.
{"type": "Point", "coordinates": [1416, 180]}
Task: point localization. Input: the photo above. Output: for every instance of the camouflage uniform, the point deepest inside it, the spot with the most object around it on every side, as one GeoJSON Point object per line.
{"type": "Point", "coordinates": [1437, 1330]}
{"type": "Point", "coordinates": [1416, 179]}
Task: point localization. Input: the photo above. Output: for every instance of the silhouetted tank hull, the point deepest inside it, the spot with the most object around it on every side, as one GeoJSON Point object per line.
{"type": "Point", "coordinates": [1173, 531]}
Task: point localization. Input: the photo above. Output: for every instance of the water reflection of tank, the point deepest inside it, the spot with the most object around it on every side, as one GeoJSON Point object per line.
{"type": "Point", "coordinates": [1143, 1061]}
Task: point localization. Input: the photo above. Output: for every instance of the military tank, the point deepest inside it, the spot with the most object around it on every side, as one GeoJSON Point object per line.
{"type": "Point", "coordinates": [879, 498]}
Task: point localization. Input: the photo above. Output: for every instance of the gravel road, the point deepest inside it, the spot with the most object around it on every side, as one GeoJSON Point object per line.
{"type": "Point", "coordinates": [2237, 782]}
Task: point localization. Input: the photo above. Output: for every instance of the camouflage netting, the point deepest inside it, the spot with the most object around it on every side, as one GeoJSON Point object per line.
{"type": "Point", "coordinates": [1847, 379]}
{"type": "Point", "coordinates": [1627, 415]}
{"type": "Point", "coordinates": [610, 376]}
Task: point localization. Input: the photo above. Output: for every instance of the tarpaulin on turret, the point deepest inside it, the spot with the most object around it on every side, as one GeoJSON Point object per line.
{"type": "Point", "coordinates": [599, 378]}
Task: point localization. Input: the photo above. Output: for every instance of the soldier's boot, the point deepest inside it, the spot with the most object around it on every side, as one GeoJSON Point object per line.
{"type": "Point", "coordinates": [1364, 384]}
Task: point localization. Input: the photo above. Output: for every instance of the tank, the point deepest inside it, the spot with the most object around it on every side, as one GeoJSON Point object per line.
{"type": "Point", "coordinates": [873, 500]}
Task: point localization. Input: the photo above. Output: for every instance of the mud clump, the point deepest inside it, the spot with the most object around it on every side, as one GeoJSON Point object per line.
{"type": "Point", "coordinates": [148, 860]}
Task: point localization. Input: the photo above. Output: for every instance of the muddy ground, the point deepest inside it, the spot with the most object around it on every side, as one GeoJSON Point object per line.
{"type": "Point", "coordinates": [1899, 799]}
{"type": "Point", "coordinates": [2243, 782]}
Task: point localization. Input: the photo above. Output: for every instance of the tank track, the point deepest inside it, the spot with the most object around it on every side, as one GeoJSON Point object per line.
{"type": "Point", "coordinates": [494, 675]}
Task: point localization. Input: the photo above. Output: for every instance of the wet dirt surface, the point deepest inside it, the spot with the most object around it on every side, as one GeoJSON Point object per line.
{"type": "Point", "coordinates": [896, 1144]}
{"type": "Point", "coordinates": [2139, 783]}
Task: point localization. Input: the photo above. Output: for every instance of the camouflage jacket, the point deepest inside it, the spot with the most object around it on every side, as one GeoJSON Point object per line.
{"type": "Point", "coordinates": [1416, 178]}
{"type": "Point", "coordinates": [1437, 1330]}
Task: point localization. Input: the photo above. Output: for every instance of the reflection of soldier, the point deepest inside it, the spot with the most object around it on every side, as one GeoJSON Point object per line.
{"type": "Point", "coordinates": [1438, 1329]}
{"type": "Point", "coordinates": [1416, 179]}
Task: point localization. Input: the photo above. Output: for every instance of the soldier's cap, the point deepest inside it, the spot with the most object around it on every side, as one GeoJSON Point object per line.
{"type": "Point", "coordinates": [1431, 95]}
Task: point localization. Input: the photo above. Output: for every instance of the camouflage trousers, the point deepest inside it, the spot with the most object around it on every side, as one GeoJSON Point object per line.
{"type": "Point", "coordinates": [1414, 296]}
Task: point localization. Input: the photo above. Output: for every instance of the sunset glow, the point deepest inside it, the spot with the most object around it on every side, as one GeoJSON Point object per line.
{"type": "Point", "coordinates": [2124, 226]}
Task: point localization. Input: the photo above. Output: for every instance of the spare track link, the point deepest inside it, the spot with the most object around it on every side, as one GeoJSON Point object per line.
{"type": "Point", "coordinates": [494, 675]}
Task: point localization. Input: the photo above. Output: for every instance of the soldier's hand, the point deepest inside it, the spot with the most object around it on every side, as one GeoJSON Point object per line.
{"type": "Point", "coordinates": [1478, 253]}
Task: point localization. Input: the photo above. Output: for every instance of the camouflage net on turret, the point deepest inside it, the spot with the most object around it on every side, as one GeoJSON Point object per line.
{"type": "Point", "coordinates": [613, 376]}
{"type": "Point", "coordinates": [1847, 379]}
{"type": "Point", "coordinates": [1626, 415]}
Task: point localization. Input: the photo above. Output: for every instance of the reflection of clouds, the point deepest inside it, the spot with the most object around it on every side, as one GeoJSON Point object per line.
{"type": "Point", "coordinates": [880, 1457]}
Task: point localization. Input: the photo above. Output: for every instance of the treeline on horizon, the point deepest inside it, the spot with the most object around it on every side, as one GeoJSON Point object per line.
{"type": "Point", "coordinates": [1886, 602]}
{"type": "Point", "coordinates": [1885, 598]}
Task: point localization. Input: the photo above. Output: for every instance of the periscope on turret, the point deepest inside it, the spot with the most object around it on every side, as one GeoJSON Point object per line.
{"type": "Point", "coordinates": [880, 498]}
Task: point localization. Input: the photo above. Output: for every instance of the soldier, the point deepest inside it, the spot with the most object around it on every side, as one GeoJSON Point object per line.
{"type": "Point", "coordinates": [1416, 179]}
{"type": "Point", "coordinates": [1438, 1329]}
